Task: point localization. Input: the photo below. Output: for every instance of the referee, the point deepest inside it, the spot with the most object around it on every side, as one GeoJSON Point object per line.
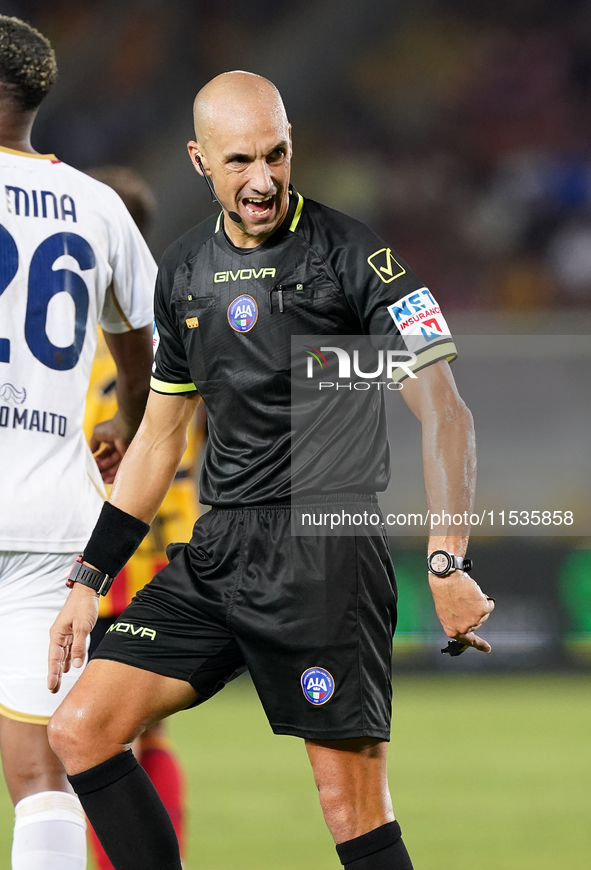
{"type": "Point", "coordinates": [311, 617]}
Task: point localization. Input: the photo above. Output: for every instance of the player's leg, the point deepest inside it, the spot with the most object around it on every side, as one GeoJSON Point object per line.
{"type": "Point", "coordinates": [49, 822]}
{"type": "Point", "coordinates": [30, 766]}
{"type": "Point", "coordinates": [92, 731]}
{"type": "Point", "coordinates": [49, 828]}
{"type": "Point", "coordinates": [352, 783]}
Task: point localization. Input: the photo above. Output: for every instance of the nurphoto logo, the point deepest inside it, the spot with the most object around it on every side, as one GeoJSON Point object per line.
{"type": "Point", "coordinates": [394, 364]}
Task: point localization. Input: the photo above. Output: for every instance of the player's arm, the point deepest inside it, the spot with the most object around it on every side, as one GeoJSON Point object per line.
{"type": "Point", "coordinates": [133, 356]}
{"type": "Point", "coordinates": [132, 353]}
{"type": "Point", "coordinates": [144, 477]}
{"type": "Point", "coordinates": [449, 466]}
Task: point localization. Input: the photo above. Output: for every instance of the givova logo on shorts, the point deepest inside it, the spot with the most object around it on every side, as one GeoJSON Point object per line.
{"type": "Point", "coordinates": [128, 628]}
{"type": "Point", "coordinates": [317, 686]}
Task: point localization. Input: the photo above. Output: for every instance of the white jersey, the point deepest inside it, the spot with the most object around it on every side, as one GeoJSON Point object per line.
{"type": "Point", "coordinates": [71, 257]}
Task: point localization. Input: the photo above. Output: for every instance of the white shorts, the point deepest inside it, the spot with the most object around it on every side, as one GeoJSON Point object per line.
{"type": "Point", "coordinates": [32, 592]}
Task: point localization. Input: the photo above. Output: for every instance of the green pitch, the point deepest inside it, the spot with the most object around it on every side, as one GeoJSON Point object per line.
{"type": "Point", "coordinates": [490, 772]}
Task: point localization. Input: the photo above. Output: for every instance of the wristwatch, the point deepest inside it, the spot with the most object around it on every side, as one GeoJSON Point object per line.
{"type": "Point", "coordinates": [441, 563]}
{"type": "Point", "coordinates": [91, 577]}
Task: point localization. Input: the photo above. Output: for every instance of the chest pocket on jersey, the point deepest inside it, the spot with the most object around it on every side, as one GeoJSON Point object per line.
{"type": "Point", "coordinates": [315, 308]}
{"type": "Point", "coordinates": [194, 318]}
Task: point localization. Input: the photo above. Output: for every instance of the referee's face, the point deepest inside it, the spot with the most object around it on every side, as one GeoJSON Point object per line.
{"type": "Point", "coordinates": [248, 155]}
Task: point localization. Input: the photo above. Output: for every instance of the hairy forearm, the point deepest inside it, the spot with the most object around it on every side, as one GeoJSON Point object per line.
{"type": "Point", "coordinates": [449, 462]}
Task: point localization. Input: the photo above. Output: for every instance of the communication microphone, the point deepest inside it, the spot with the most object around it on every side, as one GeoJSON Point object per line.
{"type": "Point", "coordinates": [232, 214]}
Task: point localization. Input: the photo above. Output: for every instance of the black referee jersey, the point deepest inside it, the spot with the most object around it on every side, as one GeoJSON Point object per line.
{"type": "Point", "coordinates": [224, 317]}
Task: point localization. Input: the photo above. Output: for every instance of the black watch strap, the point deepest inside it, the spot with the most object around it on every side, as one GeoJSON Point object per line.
{"type": "Point", "coordinates": [441, 563]}
{"type": "Point", "coordinates": [91, 577]}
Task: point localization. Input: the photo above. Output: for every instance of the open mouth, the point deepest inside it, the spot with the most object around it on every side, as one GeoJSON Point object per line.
{"type": "Point", "coordinates": [259, 207]}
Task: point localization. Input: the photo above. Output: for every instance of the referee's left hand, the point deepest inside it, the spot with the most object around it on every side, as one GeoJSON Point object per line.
{"type": "Point", "coordinates": [462, 607]}
{"type": "Point", "coordinates": [68, 634]}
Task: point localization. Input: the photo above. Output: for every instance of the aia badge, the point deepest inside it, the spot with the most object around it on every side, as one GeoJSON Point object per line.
{"type": "Point", "coordinates": [243, 313]}
{"type": "Point", "coordinates": [317, 686]}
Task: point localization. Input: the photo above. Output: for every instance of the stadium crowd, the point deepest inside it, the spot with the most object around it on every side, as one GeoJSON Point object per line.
{"type": "Point", "coordinates": [460, 131]}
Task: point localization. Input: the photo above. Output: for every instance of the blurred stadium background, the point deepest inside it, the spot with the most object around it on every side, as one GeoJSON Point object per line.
{"type": "Point", "coordinates": [461, 132]}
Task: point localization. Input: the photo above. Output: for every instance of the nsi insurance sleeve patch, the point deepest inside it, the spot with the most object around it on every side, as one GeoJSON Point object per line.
{"type": "Point", "coordinates": [419, 314]}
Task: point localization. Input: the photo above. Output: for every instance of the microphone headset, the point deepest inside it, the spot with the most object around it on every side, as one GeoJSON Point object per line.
{"type": "Point", "coordinates": [232, 214]}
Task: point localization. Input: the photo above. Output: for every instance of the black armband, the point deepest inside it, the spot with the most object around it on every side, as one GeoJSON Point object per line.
{"type": "Point", "coordinates": [114, 540]}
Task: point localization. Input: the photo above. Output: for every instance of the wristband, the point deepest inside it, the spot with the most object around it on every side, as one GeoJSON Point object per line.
{"type": "Point", "coordinates": [114, 540]}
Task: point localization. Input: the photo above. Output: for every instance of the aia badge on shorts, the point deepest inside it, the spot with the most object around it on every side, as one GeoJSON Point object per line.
{"type": "Point", "coordinates": [317, 686]}
{"type": "Point", "coordinates": [242, 313]}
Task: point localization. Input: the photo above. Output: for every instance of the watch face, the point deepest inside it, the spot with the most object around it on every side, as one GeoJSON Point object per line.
{"type": "Point", "coordinates": [440, 563]}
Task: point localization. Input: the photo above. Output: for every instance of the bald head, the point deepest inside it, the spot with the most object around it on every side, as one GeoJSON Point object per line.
{"type": "Point", "coordinates": [235, 99]}
{"type": "Point", "coordinates": [244, 147]}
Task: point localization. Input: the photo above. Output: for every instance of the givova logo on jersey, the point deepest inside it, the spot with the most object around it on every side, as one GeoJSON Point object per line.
{"type": "Point", "coordinates": [242, 313]}
{"type": "Point", "coordinates": [317, 686]}
{"type": "Point", "coordinates": [419, 314]}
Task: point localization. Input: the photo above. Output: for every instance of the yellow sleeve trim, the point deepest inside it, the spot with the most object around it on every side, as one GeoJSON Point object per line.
{"type": "Point", "coordinates": [28, 718]}
{"type": "Point", "coordinates": [446, 350]}
{"type": "Point", "coordinates": [298, 213]}
{"type": "Point", "coordinates": [28, 154]}
{"type": "Point", "coordinates": [165, 387]}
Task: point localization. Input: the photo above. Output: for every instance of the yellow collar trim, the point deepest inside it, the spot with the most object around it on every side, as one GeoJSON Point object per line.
{"type": "Point", "coordinates": [27, 154]}
{"type": "Point", "coordinates": [298, 214]}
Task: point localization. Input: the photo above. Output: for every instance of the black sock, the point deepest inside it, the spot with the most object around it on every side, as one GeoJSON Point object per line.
{"type": "Point", "coordinates": [127, 814]}
{"type": "Point", "coordinates": [380, 849]}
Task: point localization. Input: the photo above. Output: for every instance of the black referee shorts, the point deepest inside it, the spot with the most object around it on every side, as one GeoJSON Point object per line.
{"type": "Point", "coordinates": [311, 617]}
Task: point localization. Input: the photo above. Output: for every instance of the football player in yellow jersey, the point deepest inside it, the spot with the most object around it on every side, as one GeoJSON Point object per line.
{"type": "Point", "coordinates": [174, 522]}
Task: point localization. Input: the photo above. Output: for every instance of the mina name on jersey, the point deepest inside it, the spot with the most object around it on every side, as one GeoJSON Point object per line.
{"type": "Point", "coordinates": [70, 257]}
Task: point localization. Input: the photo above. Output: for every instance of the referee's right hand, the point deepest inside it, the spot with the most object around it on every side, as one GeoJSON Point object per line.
{"type": "Point", "coordinates": [68, 634]}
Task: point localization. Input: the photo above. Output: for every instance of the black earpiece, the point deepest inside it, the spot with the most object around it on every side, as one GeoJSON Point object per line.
{"type": "Point", "coordinates": [232, 214]}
